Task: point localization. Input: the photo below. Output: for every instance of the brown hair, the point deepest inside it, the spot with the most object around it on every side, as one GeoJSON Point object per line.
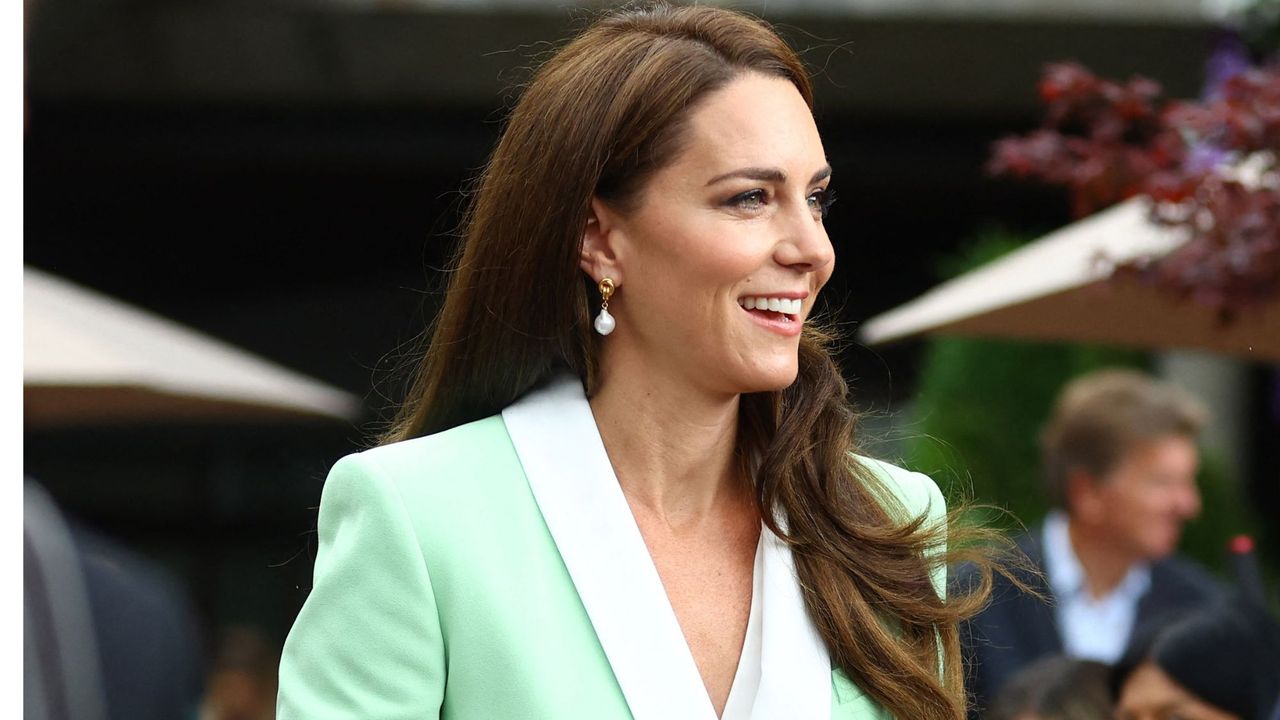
{"type": "Point", "coordinates": [1100, 417]}
{"type": "Point", "coordinates": [597, 119]}
{"type": "Point", "coordinates": [1056, 687]}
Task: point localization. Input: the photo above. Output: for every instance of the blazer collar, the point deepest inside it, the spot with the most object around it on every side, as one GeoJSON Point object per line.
{"type": "Point", "coordinates": [573, 482]}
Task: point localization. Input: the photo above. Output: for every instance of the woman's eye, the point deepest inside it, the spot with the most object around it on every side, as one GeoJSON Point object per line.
{"type": "Point", "coordinates": [820, 202]}
{"type": "Point", "coordinates": [750, 200]}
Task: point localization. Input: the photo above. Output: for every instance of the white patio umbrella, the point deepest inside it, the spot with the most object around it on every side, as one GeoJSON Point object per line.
{"type": "Point", "coordinates": [1056, 288]}
{"type": "Point", "coordinates": [88, 358]}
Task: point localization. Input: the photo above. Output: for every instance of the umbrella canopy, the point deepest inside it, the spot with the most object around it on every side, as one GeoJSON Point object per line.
{"type": "Point", "coordinates": [88, 358]}
{"type": "Point", "coordinates": [1057, 288]}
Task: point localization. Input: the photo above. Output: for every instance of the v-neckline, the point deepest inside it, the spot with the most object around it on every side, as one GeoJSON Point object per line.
{"type": "Point", "coordinates": [746, 678]}
{"type": "Point", "coordinates": [573, 482]}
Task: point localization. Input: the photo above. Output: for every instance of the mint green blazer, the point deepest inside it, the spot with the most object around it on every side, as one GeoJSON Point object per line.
{"type": "Point", "coordinates": [494, 571]}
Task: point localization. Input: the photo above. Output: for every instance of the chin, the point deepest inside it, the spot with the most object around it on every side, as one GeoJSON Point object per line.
{"type": "Point", "coordinates": [768, 379]}
{"type": "Point", "coordinates": [1162, 548]}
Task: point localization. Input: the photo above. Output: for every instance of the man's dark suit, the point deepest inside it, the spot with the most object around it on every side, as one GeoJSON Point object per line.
{"type": "Point", "coordinates": [1016, 629]}
{"type": "Point", "coordinates": [107, 636]}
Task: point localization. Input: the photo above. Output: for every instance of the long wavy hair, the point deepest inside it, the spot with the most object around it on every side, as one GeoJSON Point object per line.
{"type": "Point", "coordinates": [597, 119]}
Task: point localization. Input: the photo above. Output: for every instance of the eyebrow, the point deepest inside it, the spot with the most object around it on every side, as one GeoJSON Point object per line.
{"type": "Point", "coordinates": [767, 175]}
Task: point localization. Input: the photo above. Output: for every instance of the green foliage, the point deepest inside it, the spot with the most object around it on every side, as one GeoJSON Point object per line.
{"type": "Point", "coordinates": [1224, 516]}
{"type": "Point", "coordinates": [981, 405]}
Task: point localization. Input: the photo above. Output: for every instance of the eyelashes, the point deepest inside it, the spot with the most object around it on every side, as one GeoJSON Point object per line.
{"type": "Point", "coordinates": [819, 201]}
{"type": "Point", "coordinates": [749, 200]}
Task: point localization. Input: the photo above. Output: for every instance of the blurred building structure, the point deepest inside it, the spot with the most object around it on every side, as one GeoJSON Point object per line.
{"type": "Point", "coordinates": [287, 176]}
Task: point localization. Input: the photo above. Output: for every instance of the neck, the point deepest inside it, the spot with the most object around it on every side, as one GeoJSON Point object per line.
{"type": "Point", "coordinates": [671, 447]}
{"type": "Point", "coordinates": [1104, 566]}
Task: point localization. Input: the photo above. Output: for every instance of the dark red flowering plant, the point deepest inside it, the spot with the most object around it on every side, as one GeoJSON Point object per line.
{"type": "Point", "coordinates": [1208, 167]}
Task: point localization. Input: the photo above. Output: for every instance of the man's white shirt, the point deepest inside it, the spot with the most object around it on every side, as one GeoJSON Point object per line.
{"type": "Point", "coordinates": [1091, 628]}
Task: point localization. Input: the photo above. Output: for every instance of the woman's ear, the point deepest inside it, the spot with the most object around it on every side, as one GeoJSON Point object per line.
{"type": "Point", "coordinates": [600, 240]}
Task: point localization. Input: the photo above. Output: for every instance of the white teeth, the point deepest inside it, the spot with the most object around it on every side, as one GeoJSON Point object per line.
{"type": "Point", "coordinates": [778, 305]}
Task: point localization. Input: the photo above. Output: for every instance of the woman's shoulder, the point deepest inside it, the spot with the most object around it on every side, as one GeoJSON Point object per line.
{"type": "Point", "coordinates": [440, 451]}
{"type": "Point", "coordinates": [913, 496]}
{"type": "Point", "coordinates": [437, 470]}
{"type": "Point", "coordinates": [452, 484]}
{"type": "Point", "coordinates": [915, 492]}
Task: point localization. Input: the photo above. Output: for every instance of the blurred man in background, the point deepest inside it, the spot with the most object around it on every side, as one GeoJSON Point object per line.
{"type": "Point", "coordinates": [107, 635]}
{"type": "Point", "coordinates": [1119, 460]}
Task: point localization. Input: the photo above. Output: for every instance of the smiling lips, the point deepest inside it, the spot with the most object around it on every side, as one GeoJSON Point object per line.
{"type": "Point", "coordinates": [780, 315]}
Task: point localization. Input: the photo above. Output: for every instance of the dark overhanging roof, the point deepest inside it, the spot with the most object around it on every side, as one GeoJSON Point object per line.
{"type": "Point", "coordinates": [394, 55]}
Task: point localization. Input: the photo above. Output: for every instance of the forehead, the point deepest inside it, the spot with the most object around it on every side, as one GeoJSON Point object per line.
{"type": "Point", "coordinates": [1161, 450]}
{"type": "Point", "coordinates": [1149, 688]}
{"type": "Point", "coordinates": [756, 120]}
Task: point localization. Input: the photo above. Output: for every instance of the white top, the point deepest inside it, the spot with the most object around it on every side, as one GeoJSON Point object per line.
{"type": "Point", "coordinates": [1091, 628]}
{"type": "Point", "coordinates": [746, 681]}
{"type": "Point", "coordinates": [784, 671]}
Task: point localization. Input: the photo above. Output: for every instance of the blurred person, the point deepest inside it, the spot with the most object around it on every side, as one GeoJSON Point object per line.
{"type": "Point", "coordinates": [1220, 662]}
{"type": "Point", "coordinates": [242, 679]}
{"type": "Point", "coordinates": [658, 514]}
{"type": "Point", "coordinates": [1055, 688]}
{"type": "Point", "coordinates": [1119, 460]}
{"type": "Point", "coordinates": [106, 635]}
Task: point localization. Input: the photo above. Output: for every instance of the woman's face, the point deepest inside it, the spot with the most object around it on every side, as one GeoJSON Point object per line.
{"type": "Point", "coordinates": [1150, 694]}
{"type": "Point", "coordinates": [722, 258]}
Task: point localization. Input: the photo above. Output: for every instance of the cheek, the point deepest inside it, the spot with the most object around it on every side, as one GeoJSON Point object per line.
{"type": "Point", "coordinates": [1127, 494]}
{"type": "Point", "coordinates": [718, 272]}
{"type": "Point", "coordinates": [1160, 500]}
{"type": "Point", "coordinates": [703, 250]}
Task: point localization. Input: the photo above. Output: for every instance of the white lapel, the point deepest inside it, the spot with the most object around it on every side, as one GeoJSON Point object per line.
{"type": "Point", "coordinates": [568, 469]}
{"type": "Point", "coordinates": [555, 436]}
{"type": "Point", "coordinates": [795, 669]}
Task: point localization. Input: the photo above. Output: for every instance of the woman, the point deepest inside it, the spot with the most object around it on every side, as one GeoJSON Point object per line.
{"type": "Point", "coordinates": [1221, 662]}
{"type": "Point", "coordinates": [623, 483]}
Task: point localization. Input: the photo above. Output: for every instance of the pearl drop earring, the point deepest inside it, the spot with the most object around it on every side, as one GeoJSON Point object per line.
{"type": "Point", "coordinates": [604, 323]}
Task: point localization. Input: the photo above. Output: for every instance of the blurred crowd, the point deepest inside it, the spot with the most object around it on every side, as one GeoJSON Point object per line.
{"type": "Point", "coordinates": [1105, 619]}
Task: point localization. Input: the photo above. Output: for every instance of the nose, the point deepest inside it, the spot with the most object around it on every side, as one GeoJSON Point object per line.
{"type": "Point", "coordinates": [1188, 501]}
{"type": "Point", "coordinates": [804, 245]}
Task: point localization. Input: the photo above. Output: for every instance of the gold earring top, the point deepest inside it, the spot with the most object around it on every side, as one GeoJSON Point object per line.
{"type": "Point", "coordinates": [606, 289]}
